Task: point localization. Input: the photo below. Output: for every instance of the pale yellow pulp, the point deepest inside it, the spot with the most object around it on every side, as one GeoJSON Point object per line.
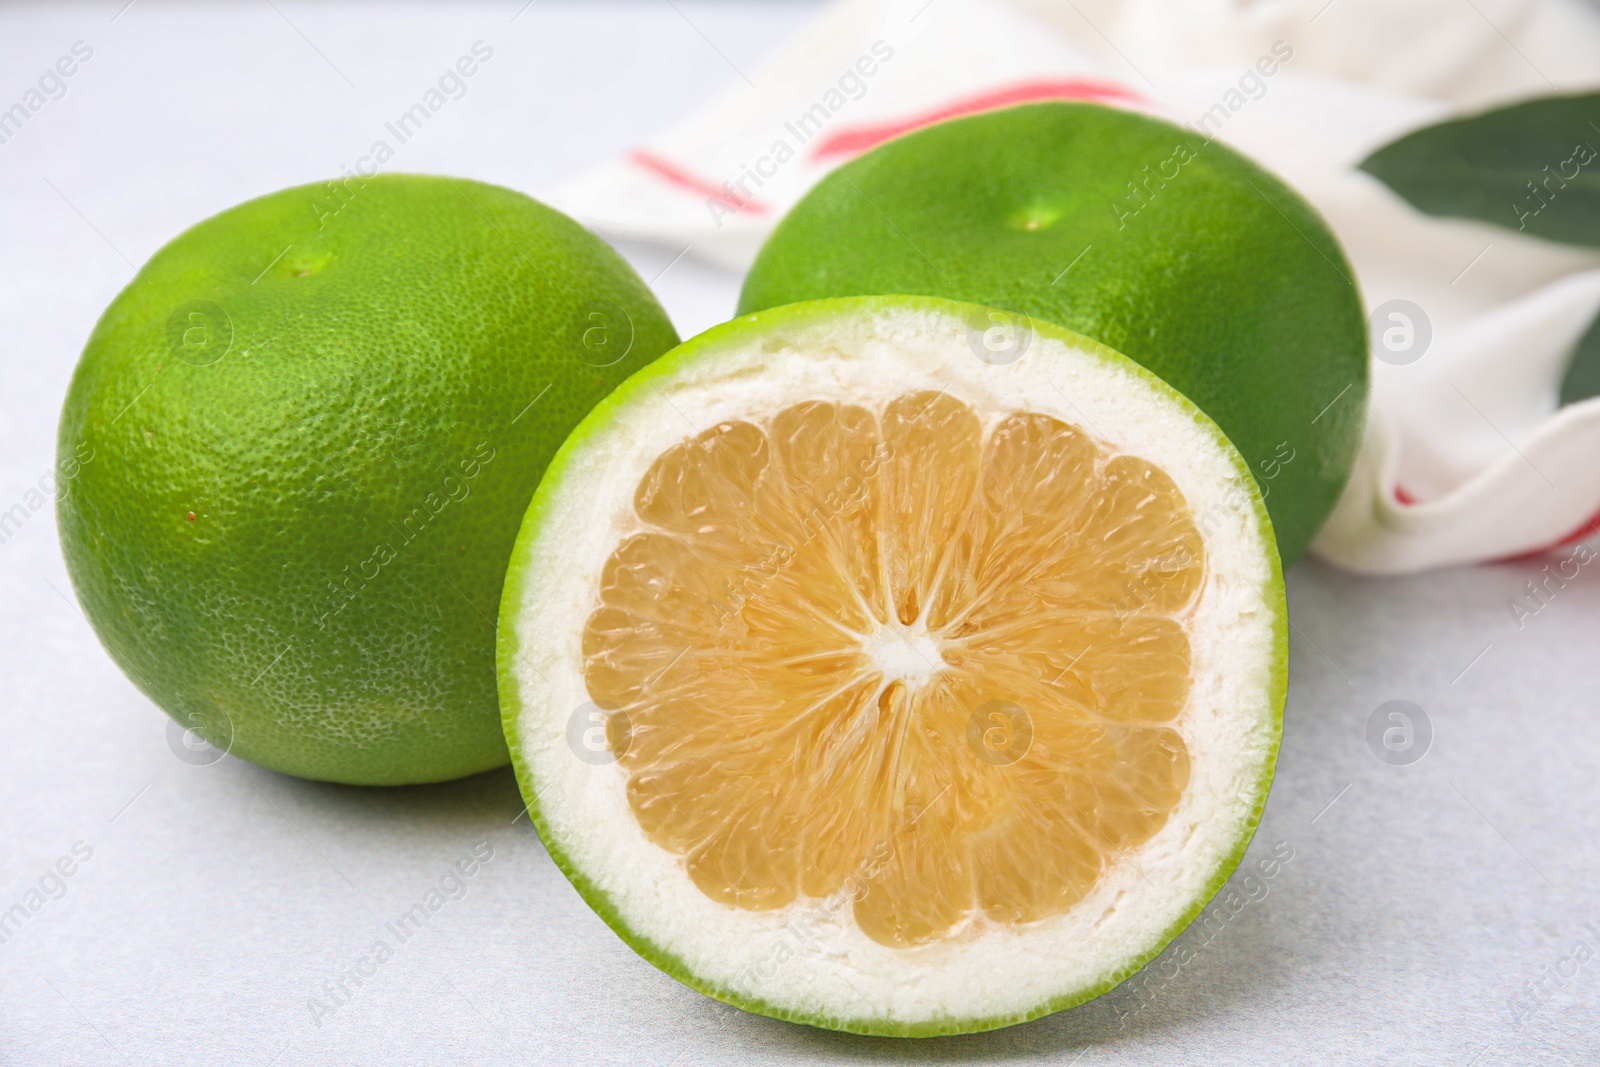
{"type": "Point", "coordinates": [889, 656]}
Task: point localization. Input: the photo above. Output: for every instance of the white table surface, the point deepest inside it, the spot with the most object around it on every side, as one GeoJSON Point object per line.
{"type": "Point", "coordinates": [219, 898]}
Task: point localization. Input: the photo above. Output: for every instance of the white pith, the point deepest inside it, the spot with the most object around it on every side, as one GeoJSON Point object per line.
{"type": "Point", "coordinates": [908, 654]}
{"type": "Point", "coordinates": [808, 958]}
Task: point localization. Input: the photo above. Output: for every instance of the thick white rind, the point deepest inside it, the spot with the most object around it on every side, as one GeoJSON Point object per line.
{"type": "Point", "coordinates": [808, 960]}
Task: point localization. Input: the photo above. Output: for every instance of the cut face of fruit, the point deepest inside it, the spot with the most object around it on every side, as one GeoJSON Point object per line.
{"type": "Point", "coordinates": [873, 588]}
{"type": "Point", "coordinates": [847, 667]}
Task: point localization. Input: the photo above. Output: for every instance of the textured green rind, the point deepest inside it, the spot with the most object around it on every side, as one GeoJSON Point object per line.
{"type": "Point", "coordinates": [1224, 282]}
{"type": "Point", "coordinates": [512, 636]}
{"type": "Point", "coordinates": [357, 463]}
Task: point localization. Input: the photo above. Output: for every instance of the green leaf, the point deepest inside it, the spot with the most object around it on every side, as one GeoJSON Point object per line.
{"type": "Point", "coordinates": [1533, 167]}
{"type": "Point", "coordinates": [1583, 373]}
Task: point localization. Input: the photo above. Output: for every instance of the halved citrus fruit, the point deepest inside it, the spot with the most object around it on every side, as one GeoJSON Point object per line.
{"type": "Point", "coordinates": [895, 665]}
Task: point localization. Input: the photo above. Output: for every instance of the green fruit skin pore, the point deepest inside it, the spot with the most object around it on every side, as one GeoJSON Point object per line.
{"type": "Point", "coordinates": [1177, 252]}
{"type": "Point", "coordinates": [297, 450]}
{"type": "Point", "coordinates": [516, 631]}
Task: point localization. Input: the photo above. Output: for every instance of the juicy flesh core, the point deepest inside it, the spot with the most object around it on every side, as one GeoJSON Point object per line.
{"type": "Point", "coordinates": [895, 660]}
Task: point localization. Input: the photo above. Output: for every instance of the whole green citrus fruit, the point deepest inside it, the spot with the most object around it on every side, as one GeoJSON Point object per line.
{"type": "Point", "coordinates": [301, 443]}
{"type": "Point", "coordinates": [1171, 249]}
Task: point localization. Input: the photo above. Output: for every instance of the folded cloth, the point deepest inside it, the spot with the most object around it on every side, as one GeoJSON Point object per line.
{"type": "Point", "coordinates": [1468, 455]}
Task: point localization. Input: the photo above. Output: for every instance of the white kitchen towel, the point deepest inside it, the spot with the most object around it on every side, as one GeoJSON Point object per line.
{"type": "Point", "coordinates": [1468, 455]}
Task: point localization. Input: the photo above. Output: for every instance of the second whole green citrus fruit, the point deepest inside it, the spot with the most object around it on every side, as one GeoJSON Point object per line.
{"type": "Point", "coordinates": [301, 443]}
{"type": "Point", "coordinates": [1176, 251]}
